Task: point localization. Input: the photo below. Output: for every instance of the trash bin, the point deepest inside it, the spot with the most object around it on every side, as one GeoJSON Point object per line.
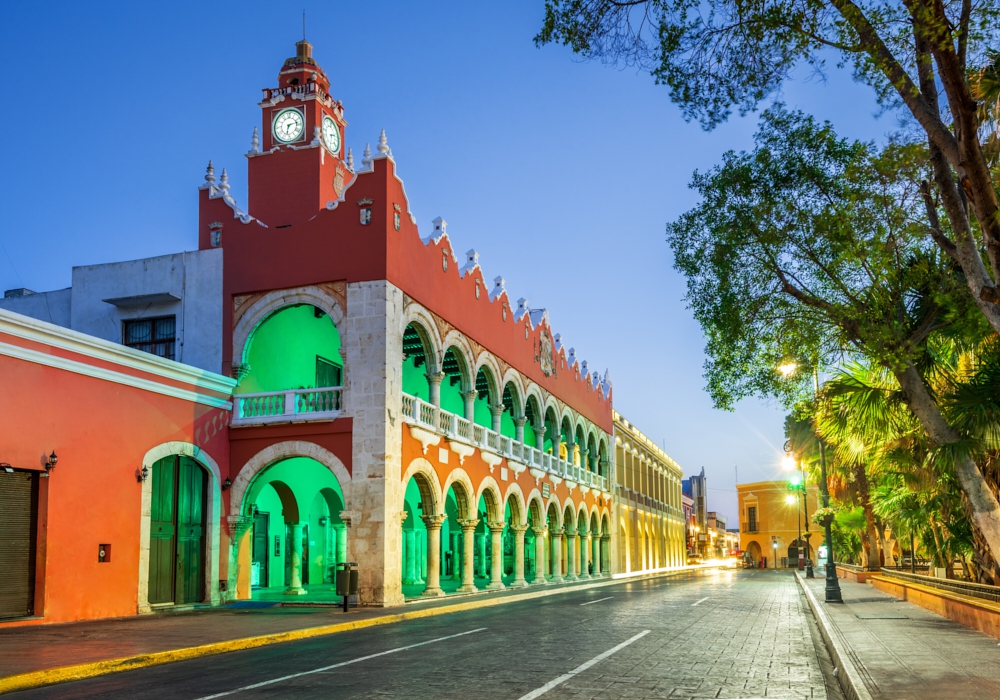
{"type": "Point", "coordinates": [347, 581]}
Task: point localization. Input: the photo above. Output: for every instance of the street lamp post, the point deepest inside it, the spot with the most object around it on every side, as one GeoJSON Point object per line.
{"type": "Point", "coordinates": [832, 582]}
{"type": "Point", "coordinates": [805, 508]}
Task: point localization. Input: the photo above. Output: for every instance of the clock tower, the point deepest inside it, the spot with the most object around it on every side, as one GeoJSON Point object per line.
{"type": "Point", "coordinates": [297, 160]}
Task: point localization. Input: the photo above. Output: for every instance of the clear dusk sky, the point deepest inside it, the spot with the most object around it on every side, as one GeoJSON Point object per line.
{"type": "Point", "coordinates": [561, 173]}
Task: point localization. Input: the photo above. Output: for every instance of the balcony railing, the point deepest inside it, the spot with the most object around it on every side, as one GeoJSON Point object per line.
{"type": "Point", "coordinates": [289, 405]}
{"type": "Point", "coordinates": [454, 427]}
{"type": "Point", "coordinates": [750, 528]}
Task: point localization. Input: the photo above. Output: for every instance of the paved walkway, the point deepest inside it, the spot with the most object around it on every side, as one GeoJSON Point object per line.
{"type": "Point", "coordinates": [904, 651]}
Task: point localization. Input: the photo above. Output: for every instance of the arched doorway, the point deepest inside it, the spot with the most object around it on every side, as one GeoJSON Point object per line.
{"type": "Point", "coordinates": [297, 536]}
{"type": "Point", "coordinates": [177, 536]}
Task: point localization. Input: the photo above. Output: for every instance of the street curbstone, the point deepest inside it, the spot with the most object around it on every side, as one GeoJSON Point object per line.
{"type": "Point", "coordinates": [847, 673]}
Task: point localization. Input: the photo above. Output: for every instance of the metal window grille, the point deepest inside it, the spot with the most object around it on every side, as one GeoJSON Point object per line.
{"type": "Point", "coordinates": [156, 336]}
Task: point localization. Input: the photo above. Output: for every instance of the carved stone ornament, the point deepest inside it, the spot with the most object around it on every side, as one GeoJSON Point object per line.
{"type": "Point", "coordinates": [545, 353]}
{"type": "Point", "coordinates": [366, 216]}
{"type": "Point", "coordinates": [365, 202]}
{"type": "Point", "coordinates": [338, 182]}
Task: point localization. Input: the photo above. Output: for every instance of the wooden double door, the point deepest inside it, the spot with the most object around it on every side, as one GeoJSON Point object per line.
{"type": "Point", "coordinates": [177, 532]}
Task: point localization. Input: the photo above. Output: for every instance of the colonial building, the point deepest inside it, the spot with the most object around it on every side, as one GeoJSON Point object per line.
{"type": "Point", "coordinates": [392, 406]}
{"type": "Point", "coordinates": [772, 520]}
{"type": "Point", "coordinates": [696, 488]}
{"type": "Point", "coordinates": [648, 503]}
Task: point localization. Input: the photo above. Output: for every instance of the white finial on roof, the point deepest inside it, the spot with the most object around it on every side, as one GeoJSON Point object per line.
{"type": "Point", "coordinates": [558, 341]}
{"type": "Point", "coordinates": [471, 262]}
{"type": "Point", "coordinates": [255, 143]}
{"type": "Point", "coordinates": [383, 145]}
{"type": "Point", "coordinates": [522, 309]}
{"type": "Point", "coordinates": [366, 157]}
{"type": "Point", "coordinates": [350, 159]}
{"type": "Point", "coordinates": [224, 181]}
{"type": "Point", "coordinates": [584, 372]}
{"type": "Point", "coordinates": [499, 287]}
{"type": "Point", "coordinates": [210, 173]}
{"type": "Point", "coordinates": [440, 227]}
{"type": "Point", "coordinates": [571, 357]}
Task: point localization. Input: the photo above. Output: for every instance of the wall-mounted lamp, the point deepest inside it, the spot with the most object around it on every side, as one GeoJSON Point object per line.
{"type": "Point", "coordinates": [142, 474]}
{"type": "Point", "coordinates": [226, 484]}
{"type": "Point", "coordinates": [50, 463]}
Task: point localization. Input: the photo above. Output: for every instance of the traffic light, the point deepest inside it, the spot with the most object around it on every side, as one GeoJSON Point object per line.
{"type": "Point", "coordinates": [795, 482]}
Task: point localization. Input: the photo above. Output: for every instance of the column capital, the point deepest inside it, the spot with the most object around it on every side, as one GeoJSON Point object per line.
{"type": "Point", "coordinates": [469, 523]}
{"type": "Point", "coordinates": [540, 531]}
{"type": "Point", "coordinates": [570, 531]}
{"type": "Point", "coordinates": [519, 422]}
{"type": "Point", "coordinates": [350, 517]}
{"type": "Point", "coordinates": [469, 395]}
{"type": "Point", "coordinates": [557, 531]}
{"type": "Point", "coordinates": [518, 529]}
{"type": "Point", "coordinates": [434, 377]}
{"type": "Point", "coordinates": [497, 410]}
{"type": "Point", "coordinates": [433, 522]}
{"type": "Point", "coordinates": [496, 527]}
{"type": "Point", "coordinates": [238, 524]}
{"type": "Point", "coordinates": [605, 538]}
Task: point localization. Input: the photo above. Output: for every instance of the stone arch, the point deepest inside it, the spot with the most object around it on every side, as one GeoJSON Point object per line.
{"type": "Point", "coordinates": [213, 517]}
{"type": "Point", "coordinates": [487, 362]}
{"type": "Point", "coordinates": [518, 511]}
{"type": "Point", "coordinates": [283, 450]}
{"type": "Point", "coordinates": [426, 479]}
{"type": "Point", "coordinates": [532, 390]}
{"type": "Point", "coordinates": [552, 405]}
{"type": "Point", "coordinates": [464, 492]}
{"type": "Point", "coordinates": [605, 522]}
{"type": "Point", "coordinates": [536, 506]}
{"type": "Point", "coordinates": [432, 353]}
{"type": "Point", "coordinates": [458, 343]}
{"type": "Point", "coordinates": [567, 416]}
{"type": "Point", "coordinates": [272, 302]}
{"type": "Point", "coordinates": [513, 378]}
{"type": "Point", "coordinates": [581, 516]}
{"type": "Point", "coordinates": [552, 507]}
{"type": "Point", "coordinates": [289, 505]}
{"type": "Point", "coordinates": [423, 322]}
{"type": "Point", "coordinates": [463, 362]}
{"type": "Point", "coordinates": [489, 491]}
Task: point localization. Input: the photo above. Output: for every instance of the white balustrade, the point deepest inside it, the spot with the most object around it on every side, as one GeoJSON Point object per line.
{"type": "Point", "coordinates": [292, 404]}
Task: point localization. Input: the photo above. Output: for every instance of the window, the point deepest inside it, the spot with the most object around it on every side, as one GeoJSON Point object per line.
{"type": "Point", "coordinates": [327, 373]}
{"type": "Point", "coordinates": [152, 335]}
{"type": "Point", "coordinates": [752, 519]}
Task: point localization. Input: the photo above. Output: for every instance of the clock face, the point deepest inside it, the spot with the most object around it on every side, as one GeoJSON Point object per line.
{"type": "Point", "coordinates": [331, 135]}
{"type": "Point", "coordinates": [288, 125]}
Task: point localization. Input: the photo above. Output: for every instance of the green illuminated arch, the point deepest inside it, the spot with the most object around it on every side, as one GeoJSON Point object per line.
{"type": "Point", "coordinates": [297, 347]}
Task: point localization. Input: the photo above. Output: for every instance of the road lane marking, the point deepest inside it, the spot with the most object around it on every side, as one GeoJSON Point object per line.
{"type": "Point", "coordinates": [342, 663]}
{"type": "Point", "coordinates": [581, 668]}
{"type": "Point", "coordinates": [700, 601]}
{"type": "Point", "coordinates": [591, 602]}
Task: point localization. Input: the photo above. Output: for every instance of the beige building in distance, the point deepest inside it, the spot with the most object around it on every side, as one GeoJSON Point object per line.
{"type": "Point", "coordinates": [771, 516]}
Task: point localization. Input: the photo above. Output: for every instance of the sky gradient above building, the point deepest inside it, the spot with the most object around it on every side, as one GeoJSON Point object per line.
{"type": "Point", "coordinates": [562, 174]}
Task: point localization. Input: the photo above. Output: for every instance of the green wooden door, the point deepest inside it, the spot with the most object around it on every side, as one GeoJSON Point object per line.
{"type": "Point", "coordinates": [162, 531]}
{"type": "Point", "coordinates": [190, 532]}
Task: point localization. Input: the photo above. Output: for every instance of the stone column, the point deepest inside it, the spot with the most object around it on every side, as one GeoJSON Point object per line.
{"type": "Point", "coordinates": [468, 541]}
{"type": "Point", "coordinates": [539, 437]}
{"type": "Point", "coordinates": [570, 452]}
{"type": "Point", "coordinates": [420, 556]}
{"type": "Point", "coordinates": [583, 458]}
{"type": "Point", "coordinates": [557, 576]}
{"type": "Point", "coordinates": [239, 525]}
{"type": "Point", "coordinates": [295, 587]}
{"type": "Point", "coordinates": [540, 559]}
{"type": "Point", "coordinates": [434, 387]}
{"type": "Point", "coordinates": [556, 438]}
{"type": "Point", "coordinates": [496, 569]}
{"type": "Point", "coordinates": [433, 523]}
{"type": "Point", "coordinates": [496, 411]}
{"type": "Point", "coordinates": [606, 554]}
{"type": "Point", "coordinates": [595, 552]}
{"type": "Point", "coordinates": [583, 541]}
{"type": "Point", "coordinates": [469, 397]}
{"type": "Point", "coordinates": [519, 428]}
{"type": "Point", "coordinates": [341, 531]}
{"type": "Point", "coordinates": [519, 581]}
{"type": "Point", "coordinates": [481, 550]}
{"type": "Point", "coordinates": [456, 556]}
{"type": "Point", "coordinates": [409, 557]}
{"type": "Point", "coordinates": [573, 552]}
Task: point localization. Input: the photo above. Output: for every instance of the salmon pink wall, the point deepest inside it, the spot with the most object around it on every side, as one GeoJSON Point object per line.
{"type": "Point", "coordinates": [100, 431]}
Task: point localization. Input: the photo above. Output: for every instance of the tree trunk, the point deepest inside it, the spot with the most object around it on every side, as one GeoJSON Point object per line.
{"type": "Point", "coordinates": [983, 503]}
{"type": "Point", "coordinates": [872, 554]}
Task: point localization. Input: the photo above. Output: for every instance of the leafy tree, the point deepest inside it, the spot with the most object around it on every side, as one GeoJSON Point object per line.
{"type": "Point", "coordinates": [934, 59]}
{"type": "Point", "coordinates": [812, 247]}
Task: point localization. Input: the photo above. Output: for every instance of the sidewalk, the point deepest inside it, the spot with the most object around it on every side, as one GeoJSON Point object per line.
{"type": "Point", "coordinates": [892, 649]}
{"type": "Point", "coordinates": [44, 648]}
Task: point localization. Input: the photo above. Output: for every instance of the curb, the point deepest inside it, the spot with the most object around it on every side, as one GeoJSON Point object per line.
{"type": "Point", "coordinates": [850, 679]}
{"type": "Point", "coordinates": [51, 676]}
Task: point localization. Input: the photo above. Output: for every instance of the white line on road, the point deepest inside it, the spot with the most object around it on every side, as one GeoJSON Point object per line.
{"type": "Point", "coordinates": [342, 663]}
{"type": "Point", "coordinates": [700, 601]}
{"type": "Point", "coordinates": [581, 668]}
{"type": "Point", "coordinates": [591, 602]}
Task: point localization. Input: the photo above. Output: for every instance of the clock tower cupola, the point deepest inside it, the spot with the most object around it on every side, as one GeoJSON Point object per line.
{"type": "Point", "coordinates": [297, 160]}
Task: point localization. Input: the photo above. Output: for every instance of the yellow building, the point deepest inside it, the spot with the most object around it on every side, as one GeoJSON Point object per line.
{"type": "Point", "coordinates": [771, 517]}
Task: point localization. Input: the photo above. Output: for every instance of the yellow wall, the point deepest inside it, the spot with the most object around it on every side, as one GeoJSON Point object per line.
{"type": "Point", "coordinates": [775, 518]}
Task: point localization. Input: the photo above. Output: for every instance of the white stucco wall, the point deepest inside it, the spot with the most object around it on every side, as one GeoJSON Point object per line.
{"type": "Point", "coordinates": [52, 307]}
{"type": "Point", "coordinates": [194, 277]}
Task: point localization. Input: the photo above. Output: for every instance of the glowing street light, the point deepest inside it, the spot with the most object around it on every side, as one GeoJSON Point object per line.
{"type": "Point", "coordinates": [788, 462]}
{"type": "Point", "coordinates": [791, 500]}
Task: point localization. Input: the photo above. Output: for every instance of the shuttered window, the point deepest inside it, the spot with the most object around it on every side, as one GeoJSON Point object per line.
{"type": "Point", "coordinates": [18, 527]}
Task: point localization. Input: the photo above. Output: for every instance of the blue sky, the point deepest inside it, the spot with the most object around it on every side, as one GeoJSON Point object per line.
{"type": "Point", "coordinates": [561, 173]}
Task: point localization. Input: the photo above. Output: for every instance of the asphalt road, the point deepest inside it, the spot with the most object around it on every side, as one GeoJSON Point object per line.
{"type": "Point", "coordinates": [719, 634]}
